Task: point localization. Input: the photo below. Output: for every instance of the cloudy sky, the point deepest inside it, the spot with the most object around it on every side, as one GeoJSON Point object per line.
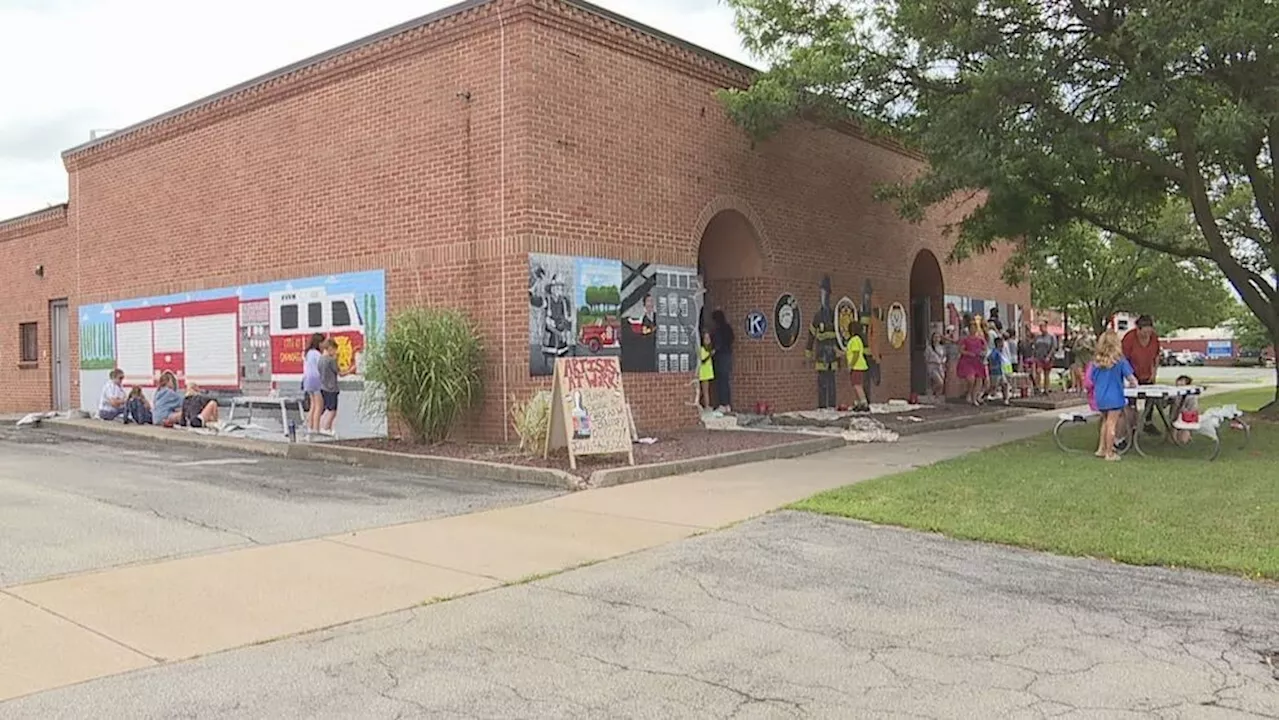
{"type": "Point", "coordinates": [72, 66]}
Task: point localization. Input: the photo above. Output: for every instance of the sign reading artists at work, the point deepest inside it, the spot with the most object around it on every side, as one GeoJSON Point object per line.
{"type": "Point", "coordinates": [589, 412]}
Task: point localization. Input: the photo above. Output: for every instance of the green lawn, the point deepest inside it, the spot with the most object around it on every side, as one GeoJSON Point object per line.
{"type": "Point", "coordinates": [1165, 510]}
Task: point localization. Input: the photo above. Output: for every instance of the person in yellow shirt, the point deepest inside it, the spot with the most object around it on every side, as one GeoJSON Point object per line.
{"type": "Point", "coordinates": [706, 371]}
{"type": "Point", "coordinates": [855, 354]}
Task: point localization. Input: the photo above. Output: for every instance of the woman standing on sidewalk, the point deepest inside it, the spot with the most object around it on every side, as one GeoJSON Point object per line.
{"type": "Point", "coordinates": [973, 354]}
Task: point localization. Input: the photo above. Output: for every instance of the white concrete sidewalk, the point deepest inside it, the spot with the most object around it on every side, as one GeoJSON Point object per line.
{"type": "Point", "coordinates": [76, 628]}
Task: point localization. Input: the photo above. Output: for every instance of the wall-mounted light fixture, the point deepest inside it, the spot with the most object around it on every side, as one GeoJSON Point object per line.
{"type": "Point", "coordinates": [39, 271]}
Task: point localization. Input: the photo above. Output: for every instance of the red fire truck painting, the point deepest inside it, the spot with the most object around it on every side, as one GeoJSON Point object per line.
{"type": "Point", "coordinates": [200, 341]}
{"type": "Point", "coordinates": [297, 314]}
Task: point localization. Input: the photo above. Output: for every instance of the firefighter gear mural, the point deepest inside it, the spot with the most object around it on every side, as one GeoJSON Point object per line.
{"type": "Point", "coordinates": [873, 332]}
{"type": "Point", "coordinates": [822, 346]}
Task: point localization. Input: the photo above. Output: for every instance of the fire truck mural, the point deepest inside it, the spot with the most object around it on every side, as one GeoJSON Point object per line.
{"type": "Point", "coordinates": [246, 340]}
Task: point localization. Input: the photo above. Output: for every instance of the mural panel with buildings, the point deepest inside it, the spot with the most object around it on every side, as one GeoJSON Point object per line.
{"type": "Point", "coordinates": [645, 314]}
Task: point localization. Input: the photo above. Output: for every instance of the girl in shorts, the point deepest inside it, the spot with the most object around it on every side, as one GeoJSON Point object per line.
{"type": "Point", "coordinates": [1109, 376]}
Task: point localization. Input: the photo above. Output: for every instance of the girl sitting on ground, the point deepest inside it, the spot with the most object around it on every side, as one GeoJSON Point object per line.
{"type": "Point", "coordinates": [1186, 411]}
{"type": "Point", "coordinates": [167, 407]}
{"type": "Point", "coordinates": [1110, 375]}
{"type": "Point", "coordinates": [197, 410]}
{"type": "Point", "coordinates": [136, 408]}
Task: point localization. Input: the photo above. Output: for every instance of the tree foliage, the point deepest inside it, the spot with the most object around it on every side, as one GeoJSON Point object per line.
{"type": "Point", "coordinates": [1093, 277]}
{"type": "Point", "coordinates": [1151, 120]}
{"type": "Point", "coordinates": [1248, 331]}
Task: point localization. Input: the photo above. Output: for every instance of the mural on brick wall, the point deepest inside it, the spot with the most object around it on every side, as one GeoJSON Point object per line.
{"type": "Point", "coordinates": [234, 341]}
{"type": "Point", "coordinates": [645, 314]}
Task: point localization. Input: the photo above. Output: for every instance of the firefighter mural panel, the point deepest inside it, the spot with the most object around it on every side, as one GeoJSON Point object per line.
{"type": "Point", "coordinates": [822, 346]}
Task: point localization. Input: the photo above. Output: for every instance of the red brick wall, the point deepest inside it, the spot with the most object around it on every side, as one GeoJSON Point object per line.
{"type": "Point", "coordinates": [446, 154]}
{"type": "Point", "coordinates": [638, 171]}
{"type": "Point", "coordinates": [389, 159]}
{"type": "Point", "coordinates": [41, 238]}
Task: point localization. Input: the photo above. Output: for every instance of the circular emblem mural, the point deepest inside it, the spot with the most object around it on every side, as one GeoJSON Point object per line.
{"type": "Point", "coordinates": [846, 317]}
{"type": "Point", "coordinates": [757, 324]}
{"type": "Point", "coordinates": [786, 320]}
{"type": "Point", "coordinates": [896, 325]}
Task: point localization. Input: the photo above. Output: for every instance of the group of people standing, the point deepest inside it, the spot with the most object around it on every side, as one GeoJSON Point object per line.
{"type": "Point", "coordinates": [320, 374]}
{"type": "Point", "coordinates": [985, 356]}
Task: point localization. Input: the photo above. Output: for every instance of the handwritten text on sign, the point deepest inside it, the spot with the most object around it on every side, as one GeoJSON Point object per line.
{"type": "Point", "coordinates": [601, 373]}
{"type": "Point", "coordinates": [593, 405]}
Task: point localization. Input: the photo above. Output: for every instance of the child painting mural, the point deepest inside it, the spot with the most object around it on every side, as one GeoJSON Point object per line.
{"type": "Point", "coordinates": [331, 370]}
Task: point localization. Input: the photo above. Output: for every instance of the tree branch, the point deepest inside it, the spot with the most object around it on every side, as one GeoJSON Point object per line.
{"type": "Point", "coordinates": [1274, 146]}
{"type": "Point", "coordinates": [1130, 235]}
{"type": "Point", "coordinates": [1240, 277]}
{"type": "Point", "coordinates": [1264, 193]}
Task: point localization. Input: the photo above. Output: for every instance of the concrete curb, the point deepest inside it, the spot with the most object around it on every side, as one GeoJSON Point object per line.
{"type": "Point", "coordinates": [323, 452]}
{"type": "Point", "coordinates": [963, 421]}
{"type": "Point", "coordinates": [1042, 404]}
{"type": "Point", "coordinates": [639, 473]}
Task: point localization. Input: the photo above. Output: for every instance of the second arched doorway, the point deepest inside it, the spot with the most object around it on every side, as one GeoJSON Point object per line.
{"type": "Point", "coordinates": [730, 262]}
{"type": "Point", "coordinates": [926, 314]}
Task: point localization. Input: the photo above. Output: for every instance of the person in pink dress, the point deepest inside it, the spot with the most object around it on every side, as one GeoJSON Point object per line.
{"type": "Point", "coordinates": [973, 352]}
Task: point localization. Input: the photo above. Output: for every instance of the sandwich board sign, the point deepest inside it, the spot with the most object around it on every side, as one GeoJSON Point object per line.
{"type": "Point", "coordinates": [589, 411]}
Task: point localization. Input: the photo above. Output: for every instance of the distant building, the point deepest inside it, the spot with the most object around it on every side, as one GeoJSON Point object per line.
{"type": "Point", "coordinates": [1216, 344]}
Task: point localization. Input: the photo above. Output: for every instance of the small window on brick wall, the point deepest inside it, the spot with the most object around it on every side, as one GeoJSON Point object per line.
{"type": "Point", "coordinates": [28, 343]}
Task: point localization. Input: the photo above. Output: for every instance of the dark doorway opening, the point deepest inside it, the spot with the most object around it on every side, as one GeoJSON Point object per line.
{"type": "Point", "coordinates": [926, 314]}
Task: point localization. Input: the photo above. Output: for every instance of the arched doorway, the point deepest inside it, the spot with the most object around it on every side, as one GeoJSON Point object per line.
{"type": "Point", "coordinates": [926, 310]}
{"type": "Point", "coordinates": [730, 263]}
{"type": "Point", "coordinates": [728, 254]}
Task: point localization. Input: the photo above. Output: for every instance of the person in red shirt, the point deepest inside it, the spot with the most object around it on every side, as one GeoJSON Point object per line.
{"type": "Point", "coordinates": [1141, 348]}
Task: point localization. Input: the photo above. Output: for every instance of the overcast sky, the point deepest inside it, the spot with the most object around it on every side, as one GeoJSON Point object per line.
{"type": "Point", "coordinates": [71, 66]}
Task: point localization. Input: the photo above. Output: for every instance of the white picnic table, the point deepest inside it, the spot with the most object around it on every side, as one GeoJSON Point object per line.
{"type": "Point", "coordinates": [248, 401]}
{"type": "Point", "coordinates": [1163, 397]}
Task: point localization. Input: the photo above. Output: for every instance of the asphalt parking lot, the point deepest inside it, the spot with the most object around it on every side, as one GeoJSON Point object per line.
{"type": "Point", "coordinates": [72, 505]}
{"type": "Point", "coordinates": [790, 615]}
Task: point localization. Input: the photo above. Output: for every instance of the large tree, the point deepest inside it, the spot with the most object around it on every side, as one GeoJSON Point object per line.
{"type": "Point", "coordinates": [1151, 120]}
{"type": "Point", "coordinates": [1093, 276]}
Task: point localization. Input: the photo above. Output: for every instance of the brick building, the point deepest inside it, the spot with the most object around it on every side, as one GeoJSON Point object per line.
{"type": "Point", "coordinates": [444, 161]}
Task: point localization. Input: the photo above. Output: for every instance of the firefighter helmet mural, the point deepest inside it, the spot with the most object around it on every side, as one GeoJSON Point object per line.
{"type": "Point", "coordinates": [822, 347]}
{"type": "Point", "coordinates": [246, 340]}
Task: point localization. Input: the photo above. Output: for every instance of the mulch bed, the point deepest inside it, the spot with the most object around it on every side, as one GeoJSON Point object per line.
{"type": "Point", "coordinates": [1058, 398]}
{"type": "Point", "coordinates": [899, 421]}
{"type": "Point", "coordinates": [672, 445]}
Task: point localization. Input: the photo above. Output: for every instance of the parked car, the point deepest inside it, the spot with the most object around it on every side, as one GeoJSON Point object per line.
{"type": "Point", "coordinates": [1188, 358]}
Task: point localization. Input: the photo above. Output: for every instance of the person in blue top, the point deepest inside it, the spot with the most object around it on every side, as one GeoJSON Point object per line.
{"type": "Point", "coordinates": [997, 366]}
{"type": "Point", "coordinates": [166, 408]}
{"type": "Point", "coordinates": [1110, 374]}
